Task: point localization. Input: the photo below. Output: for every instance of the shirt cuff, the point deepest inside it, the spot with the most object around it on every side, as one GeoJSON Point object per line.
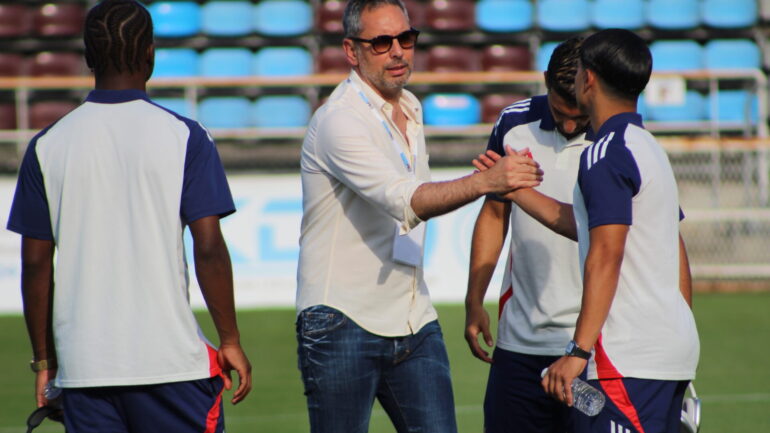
{"type": "Point", "coordinates": [410, 219]}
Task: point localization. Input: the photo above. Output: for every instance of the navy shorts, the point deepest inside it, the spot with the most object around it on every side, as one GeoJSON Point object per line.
{"type": "Point", "coordinates": [515, 399]}
{"type": "Point", "coordinates": [178, 407]}
{"type": "Point", "coordinates": [636, 406]}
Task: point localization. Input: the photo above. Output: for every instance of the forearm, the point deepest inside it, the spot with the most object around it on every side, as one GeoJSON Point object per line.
{"type": "Point", "coordinates": [438, 198]}
{"type": "Point", "coordinates": [685, 278]}
{"type": "Point", "coordinates": [552, 213]}
{"type": "Point", "coordinates": [37, 294]}
{"type": "Point", "coordinates": [489, 235]}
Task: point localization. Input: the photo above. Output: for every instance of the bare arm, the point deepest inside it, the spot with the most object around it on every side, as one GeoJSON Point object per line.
{"type": "Point", "coordinates": [215, 277]}
{"type": "Point", "coordinates": [600, 282]}
{"type": "Point", "coordinates": [488, 239]}
{"type": "Point", "coordinates": [37, 292]}
{"type": "Point", "coordinates": [685, 279]}
{"type": "Point", "coordinates": [512, 172]}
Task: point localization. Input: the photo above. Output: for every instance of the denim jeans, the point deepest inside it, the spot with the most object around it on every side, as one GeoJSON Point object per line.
{"type": "Point", "coordinates": [344, 368]}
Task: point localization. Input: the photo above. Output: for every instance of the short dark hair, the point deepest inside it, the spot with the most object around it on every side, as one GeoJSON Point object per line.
{"type": "Point", "coordinates": [351, 19]}
{"type": "Point", "coordinates": [117, 35]}
{"type": "Point", "coordinates": [621, 59]}
{"type": "Point", "coordinates": [560, 75]}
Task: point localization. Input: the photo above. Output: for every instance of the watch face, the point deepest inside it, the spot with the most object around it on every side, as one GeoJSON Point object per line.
{"type": "Point", "coordinates": [570, 346]}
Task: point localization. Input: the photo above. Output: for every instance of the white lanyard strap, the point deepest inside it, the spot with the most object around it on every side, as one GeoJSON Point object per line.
{"type": "Point", "coordinates": [396, 146]}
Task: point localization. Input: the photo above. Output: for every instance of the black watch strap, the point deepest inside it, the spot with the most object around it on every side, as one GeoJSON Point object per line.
{"type": "Point", "coordinates": [574, 350]}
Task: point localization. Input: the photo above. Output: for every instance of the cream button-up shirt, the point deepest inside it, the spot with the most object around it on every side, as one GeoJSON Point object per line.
{"type": "Point", "coordinates": [356, 194]}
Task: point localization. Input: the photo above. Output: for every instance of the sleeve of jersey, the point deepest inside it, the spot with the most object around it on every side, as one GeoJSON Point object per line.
{"type": "Point", "coordinates": [30, 215]}
{"type": "Point", "coordinates": [609, 186]}
{"type": "Point", "coordinates": [205, 191]}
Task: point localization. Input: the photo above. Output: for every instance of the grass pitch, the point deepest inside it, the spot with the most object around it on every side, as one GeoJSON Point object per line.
{"type": "Point", "coordinates": [733, 377]}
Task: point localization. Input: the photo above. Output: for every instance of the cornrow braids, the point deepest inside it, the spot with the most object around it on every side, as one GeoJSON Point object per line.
{"type": "Point", "coordinates": [117, 35]}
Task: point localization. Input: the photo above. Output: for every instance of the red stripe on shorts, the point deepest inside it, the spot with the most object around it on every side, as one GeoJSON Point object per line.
{"type": "Point", "coordinates": [213, 416]}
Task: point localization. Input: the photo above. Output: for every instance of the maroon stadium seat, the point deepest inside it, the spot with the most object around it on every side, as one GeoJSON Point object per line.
{"type": "Point", "coordinates": [15, 20]}
{"type": "Point", "coordinates": [332, 60]}
{"type": "Point", "coordinates": [329, 16]}
{"type": "Point", "coordinates": [416, 11]}
{"type": "Point", "coordinates": [506, 58]}
{"type": "Point", "coordinates": [493, 104]}
{"type": "Point", "coordinates": [7, 116]}
{"type": "Point", "coordinates": [61, 19]}
{"type": "Point", "coordinates": [451, 15]}
{"type": "Point", "coordinates": [445, 58]}
{"type": "Point", "coordinates": [44, 113]}
{"type": "Point", "coordinates": [50, 63]}
{"type": "Point", "coordinates": [12, 65]}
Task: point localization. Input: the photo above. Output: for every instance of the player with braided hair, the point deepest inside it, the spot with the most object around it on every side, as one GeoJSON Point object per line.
{"type": "Point", "coordinates": [111, 187]}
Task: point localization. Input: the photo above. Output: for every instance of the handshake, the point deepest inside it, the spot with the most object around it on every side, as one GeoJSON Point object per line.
{"type": "Point", "coordinates": [503, 175]}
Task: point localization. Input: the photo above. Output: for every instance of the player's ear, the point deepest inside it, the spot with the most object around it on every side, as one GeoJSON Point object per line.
{"type": "Point", "coordinates": [350, 52]}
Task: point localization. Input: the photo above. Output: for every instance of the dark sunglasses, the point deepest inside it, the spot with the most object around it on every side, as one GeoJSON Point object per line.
{"type": "Point", "coordinates": [383, 43]}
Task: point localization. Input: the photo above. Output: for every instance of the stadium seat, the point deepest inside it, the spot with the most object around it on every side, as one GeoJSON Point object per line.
{"type": "Point", "coordinates": [175, 62]}
{"type": "Point", "coordinates": [280, 111]}
{"type": "Point", "coordinates": [734, 106]}
{"type": "Point", "coordinates": [504, 15]}
{"type": "Point", "coordinates": [506, 58]}
{"type": "Point", "coordinates": [493, 104]}
{"type": "Point", "coordinates": [544, 55]}
{"type": "Point", "coordinates": [12, 65]}
{"type": "Point", "coordinates": [673, 14]}
{"type": "Point", "coordinates": [283, 17]}
{"type": "Point", "coordinates": [227, 18]}
{"type": "Point", "coordinates": [676, 55]}
{"type": "Point", "coordinates": [416, 10]}
{"type": "Point", "coordinates": [329, 16]}
{"type": "Point", "coordinates": [44, 113]}
{"type": "Point", "coordinates": [15, 20]}
{"type": "Point", "coordinates": [177, 105]}
{"type": "Point", "coordinates": [224, 112]}
{"type": "Point", "coordinates": [732, 54]}
{"type": "Point", "coordinates": [175, 19]}
{"type": "Point", "coordinates": [623, 14]}
{"type": "Point", "coordinates": [59, 19]}
{"type": "Point", "coordinates": [7, 116]}
{"type": "Point", "coordinates": [331, 60]}
{"type": "Point", "coordinates": [563, 15]}
{"type": "Point", "coordinates": [641, 107]}
{"type": "Point", "coordinates": [729, 14]}
{"type": "Point", "coordinates": [225, 62]}
{"type": "Point", "coordinates": [446, 58]}
{"type": "Point", "coordinates": [451, 109]}
{"type": "Point", "coordinates": [50, 63]}
{"type": "Point", "coordinates": [283, 61]}
{"type": "Point", "coordinates": [450, 15]}
{"type": "Point", "coordinates": [693, 108]}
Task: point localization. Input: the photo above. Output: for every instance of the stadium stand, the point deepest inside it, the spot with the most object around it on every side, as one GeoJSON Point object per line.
{"type": "Point", "coordinates": [59, 19]}
{"type": "Point", "coordinates": [175, 62]}
{"type": "Point", "coordinates": [504, 15]}
{"type": "Point", "coordinates": [692, 108]}
{"type": "Point", "coordinates": [225, 112]}
{"type": "Point", "coordinates": [451, 109]}
{"type": "Point", "coordinates": [227, 18]}
{"type": "Point", "coordinates": [175, 19]}
{"type": "Point", "coordinates": [280, 111]}
{"type": "Point", "coordinates": [15, 20]}
{"type": "Point", "coordinates": [57, 64]}
{"type": "Point", "coordinates": [623, 14]}
{"type": "Point", "coordinates": [676, 55]}
{"type": "Point", "coordinates": [673, 14]}
{"type": "Point", "coordinates": [729, 14]}
{"type": "Point", "coordinates": [451, 15]}
{"type": "Point", "coordinates": [564, 15]}
{"type": "Point", "coordinates": [732, 54]}
{"type": "Point", "coordinates": [226, 62]}
{"type": "Point", "coordinates": [506, 58]}
{"type": "Point", "coordinates": [446, 58]}
{"type": "Point", "coordinates": [283, 62]}
{"type": "Point", "coordinates": [283, 17]}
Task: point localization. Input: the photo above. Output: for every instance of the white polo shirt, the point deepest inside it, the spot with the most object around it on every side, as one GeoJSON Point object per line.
{"type": "Point", "coordinates": [542, 288]}
{"type": "Point", "coordinates": [113, 184]}
{"type": "Point", "coordinates": [625, 178]}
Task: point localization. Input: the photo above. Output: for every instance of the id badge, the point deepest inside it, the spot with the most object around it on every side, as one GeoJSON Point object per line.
{"type": "Point", "coordinates": [407, 249]}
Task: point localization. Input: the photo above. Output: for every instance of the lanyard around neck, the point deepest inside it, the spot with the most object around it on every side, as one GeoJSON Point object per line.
{"type": "Point", "coordinates": [396, 146]}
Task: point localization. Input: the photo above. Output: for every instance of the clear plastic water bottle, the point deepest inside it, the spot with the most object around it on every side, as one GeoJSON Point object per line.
{"type": "Point", "coordinates": [585, 397]}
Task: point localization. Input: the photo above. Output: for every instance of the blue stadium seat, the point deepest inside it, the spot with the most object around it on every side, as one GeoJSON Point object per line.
{"type": "Point", "coordinates": [175, 19]}
{"type": "Point", "coordinates": [732, 54]}
{"type": "Point", "coordinates": [693, 109]}
{"type": "Point", "coordinates": [641, 107]}
{"type": "Point", "coordinates": [504, 15]}
{"type": "Point", "coordinates": [227, 18]}
{"type": "Point", "coordinates": [451, 109]}
{"type": "Point", "coordinates": [175, 62]}
{"type": "Point", "coordinates": [676, 55]}
{"type": "Point", "coordinates": [673, 14]}
{"type": "Point", "coordinates": [283, 17]}
{"type": "Point", "coordinates": [280, 111]}
{"type": "Point", "coordinates": [543, 55]}
{"type": "Point", "coordinates": [283, 61]}
{"type": "Point", "coordinates": [563, 15]}
{"type": "Point", "coordinates": [729, 14]}
{"type": "Point", "coordinates": [177, 105]}
{"type": "Point", "coordinates": [620, 14]}
{"type": "Point", "coordinates": [226, 62]}
{"type": "Point", "coordinates": [224, 112]}
{"type": "Point", "coordinates": [734, 105]}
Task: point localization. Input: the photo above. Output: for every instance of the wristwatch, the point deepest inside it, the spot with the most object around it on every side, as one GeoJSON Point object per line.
{"type": "Point", "coordinates": [574, 350]}
{"type": "Point", "coordinates": [43, 364]}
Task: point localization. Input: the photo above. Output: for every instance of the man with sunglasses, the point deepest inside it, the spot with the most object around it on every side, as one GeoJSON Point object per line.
{"type": "Point", "coordinates": [366, 328]}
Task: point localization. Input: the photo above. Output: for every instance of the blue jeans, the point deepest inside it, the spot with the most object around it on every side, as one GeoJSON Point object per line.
{"type": "Point", "coordinates": [344, 368]}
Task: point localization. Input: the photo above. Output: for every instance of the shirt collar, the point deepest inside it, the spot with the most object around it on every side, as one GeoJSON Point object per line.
{"type": "Point", "coordinates": [115, 96]}
{"type": "Point", "coordinates": [618, 121]}
{"type": "Point", "coordinates": [410, 108]}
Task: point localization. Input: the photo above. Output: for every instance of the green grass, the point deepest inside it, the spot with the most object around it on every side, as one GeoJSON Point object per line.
{"type": "Point", "coordinates": [733, 377]}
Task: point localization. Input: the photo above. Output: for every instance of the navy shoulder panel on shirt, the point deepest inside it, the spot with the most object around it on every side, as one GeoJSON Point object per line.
{"type": "Point", "coordinates": [522, 112]}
